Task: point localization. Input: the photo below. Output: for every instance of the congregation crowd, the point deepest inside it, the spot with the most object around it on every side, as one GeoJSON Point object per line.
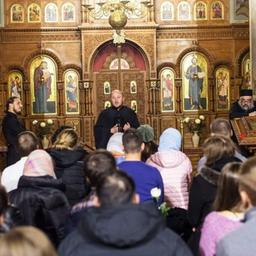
{"type": "Point", "coordinates": [66, 201]}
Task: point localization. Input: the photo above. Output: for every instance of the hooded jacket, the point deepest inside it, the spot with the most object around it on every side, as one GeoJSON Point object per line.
{"type": "Point", "coordinates": [130, 230]}
{"type": "Point", "coordinates": [69, 168]}
{"type": "Point", "coordinates": [42, 204]}
{"type": "Point", "coordinates": [175, 168]}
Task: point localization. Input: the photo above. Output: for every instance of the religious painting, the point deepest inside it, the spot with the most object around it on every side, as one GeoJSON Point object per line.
{"type": "Point", "coordinates": [184, 11]}
{"type": "Point", "coordinates": [71, 92]}
{"type": "Point", "coordinates": [15, 81]}
{"type": "Point", "coordinates": [51, 13]}
{"type": "Point", "coordinates": [167, 90]}
{"type": "Point", "coordinates": [222, 79]}
{"type": "Point", "coordinates": [167, 11]}
{"type": "Point", "coordinates": [34, 13]}
{"type": "Point", "coordinates": [133, 87]}
{"type": "Point", "coordinates": [68, 12]}
{"type": "Point", "coordinates": [107, 87]}
{"type": "Point", "coordinates": [134, 105]}
{"type": "Point", "coordinates": [1, 13]}
{"type": "Point", "coordinates": [217, 10]}
{"type": "Point", "coordinates": [194, 82]}
{"type": "Point", "coordinates": [107, 104]}
{"type": "Point", "coordinates": [17, 13]}
{"type": "Point", "coordinates": [123, 64]}
{"type": "Point", "coordinates": [200, 11]}
{"type": "Point", "coordinates": [246, 72]}
{"type": "Point", "coordinates": [239, 10]}
{"type": "Point", "coordinates": [43, 72]}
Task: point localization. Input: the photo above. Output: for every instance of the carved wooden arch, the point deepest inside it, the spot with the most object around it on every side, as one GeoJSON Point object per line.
{"type": "Point", "coordinates": [129, 42]}
{"type": "Point", "coordinates": [208, 56]}
{"type": "Point", "coordinates": [14, 68]}
{"type": "Point", "coordinates": [72, 66]}
{"type": "Point", "coordinates": [38, 53]}
{"type": "Point", "coordinates": [167, 65]}
{"type": "Point", "coordinates": [239, 59]}
{"type": "Point", "coordinates": [225, 64]}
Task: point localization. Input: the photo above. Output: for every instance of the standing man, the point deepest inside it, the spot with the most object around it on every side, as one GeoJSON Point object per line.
{"type": "Point", "coordinates": [117, 118]}
{"type": "Point", "coordinates": [12, 127]}
{"type": "Point", "coordinates": [245, 106]}
{"type": "Point", "coordinates": [42, 87]}
{"type": "Point", "coordinates": [195, 77]}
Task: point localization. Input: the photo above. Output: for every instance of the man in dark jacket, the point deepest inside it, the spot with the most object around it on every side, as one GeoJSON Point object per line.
{"type": "Point", "coordinates": [12, 127]}
{"type": "Point", "coordinates": [245, 106]}
{"type": "Point", "coordinates": [120, 226]}
{"type": "Point", "coordinates": [117, 118]}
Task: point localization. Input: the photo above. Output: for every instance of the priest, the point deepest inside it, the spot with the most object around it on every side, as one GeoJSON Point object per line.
{"type": "Point", "coordinates": [245, 106]}
{"type": "Point", "coordinates": [117, 118]}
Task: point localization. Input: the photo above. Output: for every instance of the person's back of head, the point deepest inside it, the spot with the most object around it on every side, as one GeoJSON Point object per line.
{"type": "Point", "coordinates": [221, 126]}
{"type": "Point", "coordinates": [115, 143]}
{"type": "Point", "coordinates": [58, 131]}
{"type": "Point", "coordinates": [247, 182]}
{"type": "Point", "coordinates": [132, 141]}
{"type": "Point", "coordinates": [170, 139]}
{"type": "Point", "coordinates": [67, 139]}
{"type": "Point", "coordinates": [38, 163]}
{"type": "Point", "coordinates": [97, 164]}
{"type": "Point", "coordinates": [116, 190]}
{"type": "Point", "coordinates": [26, 241]}
{"type": "Point", "coordinates": [147, 132]}
{"type": "Point", "coordinates": [27, 142]}
{"type": "Point", "coordinates": [228, 184]}
{"type": "Point", "coordinates": [217, 147]}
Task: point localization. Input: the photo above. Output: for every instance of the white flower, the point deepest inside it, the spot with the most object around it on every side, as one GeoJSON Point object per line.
{"type": "Point", "coordinates": [49, 121]}
{"type": "Point", "coordinates": [186, 120]}
{"type": "Point", "coordinates": [197, 121]}
{"type": "Point", "coordinates": [34, 122]}
{"type": "Point", "coordinates": [42, 124]}
{"type": "Point", "coordinates": [201, 117]}
{"type": "Point", "coordinates": [155, 192]}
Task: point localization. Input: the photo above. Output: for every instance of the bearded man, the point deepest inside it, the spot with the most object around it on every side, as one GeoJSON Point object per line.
{"type": "Point", "coordinates": [245, 106]}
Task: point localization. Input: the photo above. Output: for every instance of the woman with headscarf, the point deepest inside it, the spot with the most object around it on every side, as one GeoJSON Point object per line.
{"type": "Point", "coordinates": [40, 198]}
{"type": "Point", "coordinates": [175, 168]}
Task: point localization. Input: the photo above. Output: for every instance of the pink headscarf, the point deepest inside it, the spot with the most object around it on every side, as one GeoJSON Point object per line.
{"type": "Point", "coordinates": [39, 163]}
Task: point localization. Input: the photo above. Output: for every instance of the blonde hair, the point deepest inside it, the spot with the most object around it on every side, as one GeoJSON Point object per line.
{"type": "Point", "coordinates": [67, 139]}
{"type": "Point", "coordinates": [216, 147]}
{"type": "Point", "coordinates": [26, 241]}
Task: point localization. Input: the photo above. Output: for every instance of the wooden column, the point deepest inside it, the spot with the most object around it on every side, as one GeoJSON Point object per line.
{"type": "Point", "coordinates": [252, 20]}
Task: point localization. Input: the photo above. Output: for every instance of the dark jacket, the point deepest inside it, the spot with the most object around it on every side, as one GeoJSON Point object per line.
{"type": "Point", "coordinates": [12, 217]}
{"type": "Point", "coordinates": [42, 204]}
{"type": "Point", "coordinates": [11, 128]}
{"type": "Point", "coordinates": [69, 168]}
{"type": "Point", "coordinates": [110, 117]}
{"type": "Point", "coordinates": [202, 194]}
{"type": "Point", "coordinates": [130, 230]}
{"type": "Point", "coordinates": [236, 111]}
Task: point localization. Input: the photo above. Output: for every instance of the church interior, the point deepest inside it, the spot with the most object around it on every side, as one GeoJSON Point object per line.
{"type": "Point", "coordinates": [148, 56]}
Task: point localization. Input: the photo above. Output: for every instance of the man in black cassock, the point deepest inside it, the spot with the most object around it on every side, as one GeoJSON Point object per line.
{"type": "Point", "coordinates": [245, 106]}
{"type": "Point", "coordinates": [12, 127]}
{"type": "Point", "coordinates": [117, 118]}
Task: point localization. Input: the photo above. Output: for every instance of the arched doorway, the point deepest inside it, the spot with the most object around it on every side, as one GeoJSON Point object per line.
{"type": "Point", "coordinates": [120, 67]}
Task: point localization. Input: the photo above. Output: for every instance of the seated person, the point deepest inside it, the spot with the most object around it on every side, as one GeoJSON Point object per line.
{"type": "Point", "coordinates": [120, 226]}
{"type": "Point", "coordinates": [175, 168]}
{"type": "Point", "coordinates": [40, 196]}
{"type": "Point", "coordinates": [145, 176]}
{"type": "Point", "coordinates": [150, 148]}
